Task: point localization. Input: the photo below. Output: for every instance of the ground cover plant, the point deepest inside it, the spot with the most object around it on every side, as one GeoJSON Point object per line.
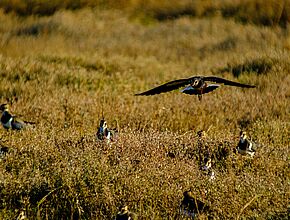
{"type": "Point", "coordinates": [67, 70]}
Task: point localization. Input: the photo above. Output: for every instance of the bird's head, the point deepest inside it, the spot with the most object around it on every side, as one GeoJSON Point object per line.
{"type": "Point", "coordinates": [188, 194]}
{"type": "Point", "coordinates": [4, 107]}
{"type": "Point", "coordinates": [103, 124]}
{"type": "Point", "coordinates": [208, 163]}
{"type": "Point", "coordinates": [124, 209]}
{"type": "Point", "coordinates": [196, 83]}
{"type": "Point", "coordinates": [243, 135]}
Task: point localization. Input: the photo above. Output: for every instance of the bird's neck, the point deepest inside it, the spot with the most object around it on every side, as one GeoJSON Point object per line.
{"type": "Point", "coordinates": [243, 140]}
{"type": "Point", "coordinates": [5, 111]}
{"type": "Point", "coordinates": [6, 115]}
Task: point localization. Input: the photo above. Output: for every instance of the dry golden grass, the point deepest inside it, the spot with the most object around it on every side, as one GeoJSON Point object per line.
{"type": "Point", "coordinates": [65, 70]}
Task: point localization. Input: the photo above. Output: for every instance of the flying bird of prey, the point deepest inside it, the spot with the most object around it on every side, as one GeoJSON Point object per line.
{"type": "Point", "coordinates": [197, 85]}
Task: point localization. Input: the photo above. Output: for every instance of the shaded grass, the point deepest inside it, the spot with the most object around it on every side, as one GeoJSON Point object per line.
{"type": "Point", "coordinates": [258, 12]}
{"type": "Point", "coordinates": [257, 66]}
{"type": "Point", "coordinates": [43, 8]}
{"type": "Point", "coordinates": [272, 12]}
{"type": "Point", "coordinates": [36, 29]}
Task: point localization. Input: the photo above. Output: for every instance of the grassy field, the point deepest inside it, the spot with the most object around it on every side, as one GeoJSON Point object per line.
{"type": "Point", "coordinates": [67, 70]}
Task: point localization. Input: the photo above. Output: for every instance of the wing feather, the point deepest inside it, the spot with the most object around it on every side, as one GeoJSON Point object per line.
{"type": "Point", "coordinates": [226, 82]}
{"type": "Point", "coordinates": [167, 87]}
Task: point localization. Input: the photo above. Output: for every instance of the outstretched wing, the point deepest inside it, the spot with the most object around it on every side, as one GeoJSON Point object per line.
{"type": "Point", "coordinates": [226, 82]}
{"type": "Point", "coordinates": [167, 87]}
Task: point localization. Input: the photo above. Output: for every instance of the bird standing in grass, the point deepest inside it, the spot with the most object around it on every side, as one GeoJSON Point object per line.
{"type": "Point", "coordinates": [104, 133]}
{"type": "Point", "coordinates": [10, 121]}
{"type": "Point", "coordinates": [207, 168]}
{"type": "Point", "coordinates": [192, 207]}
{"type": "Point", "coordinates": [125, 214]}
{"type": "Point", "coordinates": [197, 86]}
{"type": "Point", "coordinates": [245, 146]}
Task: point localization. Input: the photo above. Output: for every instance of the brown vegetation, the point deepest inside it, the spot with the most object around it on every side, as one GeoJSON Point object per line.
{"type": "Point", "coordinates": [66, 70]}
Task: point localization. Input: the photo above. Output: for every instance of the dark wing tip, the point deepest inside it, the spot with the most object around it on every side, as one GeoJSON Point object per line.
{"type": "Point", "coordinates": [143, 94]}
{"type": "Point", "coordinates": [247, 86]}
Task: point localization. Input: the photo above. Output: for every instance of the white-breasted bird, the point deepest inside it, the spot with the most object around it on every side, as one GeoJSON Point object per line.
{"type": "Point", "coordinates": [207, 168]}
{"type": "Point", "coordinates": [10, 121]}
{"type": "Point", "coordinates": [246, 146]}
{"type": "Point", "coordinates": [104, 133]}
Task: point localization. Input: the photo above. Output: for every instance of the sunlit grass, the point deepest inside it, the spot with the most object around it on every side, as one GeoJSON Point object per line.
{"type": "Point", "coordinates": [80, 66]}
